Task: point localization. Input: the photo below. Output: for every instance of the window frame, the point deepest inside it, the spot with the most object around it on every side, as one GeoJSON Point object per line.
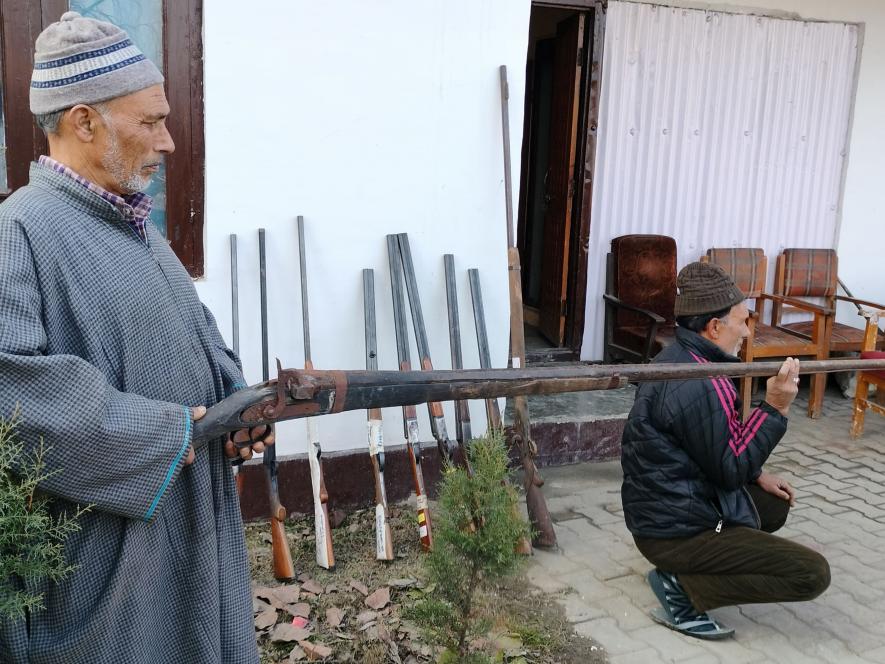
{"type": "Point", "coordinates": [21, 21]}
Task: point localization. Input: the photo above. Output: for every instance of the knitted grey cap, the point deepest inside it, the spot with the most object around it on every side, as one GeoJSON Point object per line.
{"type": "Point", "coordinates": [705, 288]}
{"type": "Point", "coordinates": [84, 61]}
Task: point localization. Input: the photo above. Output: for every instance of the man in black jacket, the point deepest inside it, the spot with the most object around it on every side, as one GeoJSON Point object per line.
{"type": "Point", "coordinates": [695, 497]}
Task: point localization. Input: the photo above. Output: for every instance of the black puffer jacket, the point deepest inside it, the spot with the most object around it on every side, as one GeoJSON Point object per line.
{"type": "Point", "coordinates": [686, 454]}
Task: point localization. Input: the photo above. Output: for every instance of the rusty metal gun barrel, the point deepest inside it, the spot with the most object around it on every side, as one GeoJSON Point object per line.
{"type": "Point", "coordinates": [298, 393]}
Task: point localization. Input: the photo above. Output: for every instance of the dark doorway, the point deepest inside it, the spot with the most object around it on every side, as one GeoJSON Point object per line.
{"type": "Point", "coordinates": [558, 148]}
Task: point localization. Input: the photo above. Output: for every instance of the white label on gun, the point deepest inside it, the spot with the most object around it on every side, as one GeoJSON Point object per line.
{"type": "Point", "coordinates": [376, 442]}
{"type": "Point", "coordinates": [422, 502]}
{"type": "Point", "coordinates": [380, 544]}
{"type": "Point", "coordinates": [319, 516]}
{"type": "Point", "coordinates": [413, 432]}
{"type": "Point", "coordinates": [515, 362]}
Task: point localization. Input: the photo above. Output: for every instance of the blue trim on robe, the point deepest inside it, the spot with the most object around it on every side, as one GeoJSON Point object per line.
{"type": "Point", "coordinates": [184, 446]}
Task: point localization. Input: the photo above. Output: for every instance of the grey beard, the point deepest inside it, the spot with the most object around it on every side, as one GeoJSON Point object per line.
{"type": "Point", "coordinates": [129, 182]}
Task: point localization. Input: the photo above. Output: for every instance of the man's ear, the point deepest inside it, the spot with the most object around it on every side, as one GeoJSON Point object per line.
{"type": "Point", "coordinates": [82, 121]}
{"type": "Point", "coordinates": [712, 328]}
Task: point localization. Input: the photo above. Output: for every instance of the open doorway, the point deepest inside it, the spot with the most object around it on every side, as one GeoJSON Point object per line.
{"type": "Point", "coordinates": [558, 148]}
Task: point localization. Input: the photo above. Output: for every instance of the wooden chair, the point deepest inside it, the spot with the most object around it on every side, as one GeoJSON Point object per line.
{"type": "Point", "coordinates": [862, 400]}
{"type": "Point", "coordinates": [801, 273]}
{"type": "Point", "coordinates": [640, 294]}
{"type": "Point", "coordinates": [748, 268]}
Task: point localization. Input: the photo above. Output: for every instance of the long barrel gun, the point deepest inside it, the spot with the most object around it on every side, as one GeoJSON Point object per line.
{"type": "Point", "coordinates": [306, 393]}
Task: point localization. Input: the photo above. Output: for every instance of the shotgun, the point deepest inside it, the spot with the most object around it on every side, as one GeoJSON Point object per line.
{"type": "Point", "coordinates": [539, 515]}
{"type": "Point", "coordinates": [860, 309]}
{"type": "Point", "coordinates": [462, 408]}
{"type": "Point", "coordinates": [283, 569]}
{"type": "Point", "coordinates": [325, 556]}
{"type": "Point", "coordinates": [493, 412]}
{"type": "Point", "coordinates": [383, 536]}
{"type": "Point", "coordinates": [410, 414]}
{"type": "Point", "coordinates": [235, 336]}
{"type": "Point", "coordinates": [301, 393]}
{"type": "Point", "coordinates": [437, 416]}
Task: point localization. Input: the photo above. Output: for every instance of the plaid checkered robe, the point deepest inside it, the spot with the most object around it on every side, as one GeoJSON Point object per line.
{"type": "Point", "coordinates": [104, 345]}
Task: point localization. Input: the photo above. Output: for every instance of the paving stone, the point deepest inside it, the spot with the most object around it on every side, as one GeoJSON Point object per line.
{"type": "Point", "coordinates": [867, 496]}
{"type": "Point", "coordinates": [864, 508]}
{"type": "Point", "coordinates": [836, 461]}
{"type": "Point", "coordinates": [856, 611]}
{"type": "Point", "coordinates": [606, 632]}
{"type": "Point", "coordinates": [555, 563]}
{"type": "Point", "coordinates": [825, 479]}
{"type": "Point", "coordinates": [588, 587]}
{"type": "Point", "coordinates": [544, 580]}
{"type": "Point", "coordinates": [812, 500]}
{"type": "Point", "coordinates": [675, 647]}
{"type": "Point", "coordinates": [825, 492]}
{"type": "Point", "coordinates": [782, 649]}
{"type": "Point", "coordinates": [868, 484]}
{"type": "Point", "coordinates": [579, 610]}
{"type": "Point", "coordinates": [707, 658]}
{"type": "Point", "coordinates": [647, 656]}
{"type": "Point", "coordinates": [876, 656]}
{"type": "Point", "coordinates": [627, 615]}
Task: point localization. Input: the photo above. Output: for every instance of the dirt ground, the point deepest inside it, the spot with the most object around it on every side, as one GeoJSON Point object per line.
{"type": "Point", "coordinates": [355, 612]}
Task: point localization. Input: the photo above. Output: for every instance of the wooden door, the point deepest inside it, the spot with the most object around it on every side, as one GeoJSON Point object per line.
{"type": "Point", "coordinates": [560, 186]}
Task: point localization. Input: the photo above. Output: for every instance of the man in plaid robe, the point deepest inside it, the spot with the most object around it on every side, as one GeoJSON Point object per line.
{"type": "Point", "coordinates": [109, 356]}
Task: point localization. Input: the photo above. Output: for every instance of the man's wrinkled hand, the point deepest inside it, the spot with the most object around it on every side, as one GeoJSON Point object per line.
{"type": "Point", "coordinates": [783, 388]}
{"type": "Point", "coordinates": [777, 486]}
{"type": "Point", "coordinates": [246, 442]}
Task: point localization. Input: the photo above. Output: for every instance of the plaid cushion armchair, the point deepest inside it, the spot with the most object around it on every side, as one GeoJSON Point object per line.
{"type": "Point", "coordinates": [748, 268]}
{"type": "Point", "coordinates": [803, 273]}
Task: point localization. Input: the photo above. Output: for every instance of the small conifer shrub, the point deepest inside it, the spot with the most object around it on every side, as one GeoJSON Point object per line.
{"type": "Point", "coordinates": [31, 538]}
{"type": "Point", "coordinates": [476, 528]}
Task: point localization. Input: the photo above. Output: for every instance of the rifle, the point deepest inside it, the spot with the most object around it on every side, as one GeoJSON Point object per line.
{"type": "Point", "coordinates": [539, 515]}
{"type": "Point", "coordinates": [235, 325]}
{"type": "Point", "coordinates": [283, 569]}
{"type": "Point", "coordinates": [493, 412]}
{"type": "Point", "coordinates": [301, 393]}
{"type": "Point", "coordinates": [860, 309]}
{"type": "Point", "coordinates": [325, 556]}
{"type": "Point", "coordinates": [462, 408]}
{"type": "Point", "coordinates": [410, 415]}
{"type": "Point", "coordinates": [383, 537]}
{"type": "Point", "coordinates": [437, 417]}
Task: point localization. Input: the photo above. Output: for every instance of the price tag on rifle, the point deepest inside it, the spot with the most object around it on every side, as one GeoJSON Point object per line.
{"type": "Point", "coordinates": [376, 442]}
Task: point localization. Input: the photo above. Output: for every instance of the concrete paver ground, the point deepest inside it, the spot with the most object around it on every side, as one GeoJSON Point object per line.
{"type": "Point", "coordinates": [599, 574]}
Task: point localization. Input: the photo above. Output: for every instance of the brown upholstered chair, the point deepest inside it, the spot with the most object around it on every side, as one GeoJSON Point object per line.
{"type": "Point", "coordinates": [802, 273]}
{"type": "Point", "coordinates": [862, 401]}
{"type": "Point", "coordinates": [640, 294]}
{"type": "Point", "coordinates": [748, 268]}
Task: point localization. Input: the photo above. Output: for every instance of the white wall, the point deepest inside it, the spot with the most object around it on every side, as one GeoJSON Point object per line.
{"type": "Point", "coordinates": [863, 201]}
{"type": "Point", "coordinates": [368, 119]}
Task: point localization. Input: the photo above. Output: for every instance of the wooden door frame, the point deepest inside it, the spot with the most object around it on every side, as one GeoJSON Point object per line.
{"type": "Point", "coordinates": [587, 136]}
{"type": "Point", "coordinates": [594, 38]}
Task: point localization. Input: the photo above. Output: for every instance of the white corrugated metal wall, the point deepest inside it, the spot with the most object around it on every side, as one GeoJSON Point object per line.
{"type": "Point", "coordinates": [719, 130]}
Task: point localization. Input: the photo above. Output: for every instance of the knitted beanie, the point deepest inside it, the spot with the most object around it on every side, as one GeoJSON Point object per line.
{"type": "Point", "coordinates": [705, 288]}
{"type": "Point", "coordinates": [83, 61]}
